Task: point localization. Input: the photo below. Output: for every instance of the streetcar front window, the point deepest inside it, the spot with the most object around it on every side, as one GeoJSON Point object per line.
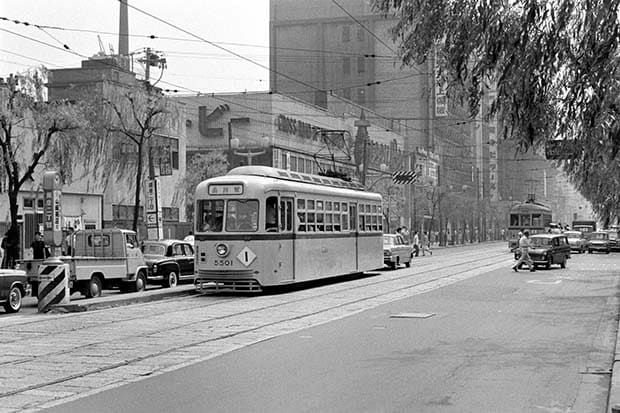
{"type": "Point", "coordinates": [242, 215]}
{"type": "Point", "coordinates": [210, 215]}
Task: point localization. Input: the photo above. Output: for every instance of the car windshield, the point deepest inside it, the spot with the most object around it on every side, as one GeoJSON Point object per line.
{"type": "Point", "coordinates": [573, 234]}
{"type": "Point", "coordinates": [541, 242]}
{"type": "Point", "coordinates": [388, 241]}
{"type": "Point", "coordinates": [154, 249]}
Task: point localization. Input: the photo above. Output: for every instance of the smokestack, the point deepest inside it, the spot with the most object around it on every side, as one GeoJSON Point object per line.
{"type": "Point", "coordinates": [123, 30]}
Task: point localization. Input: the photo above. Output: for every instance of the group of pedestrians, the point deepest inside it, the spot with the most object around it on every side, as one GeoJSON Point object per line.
{"type": "Point", "coordinates": [422, 244]}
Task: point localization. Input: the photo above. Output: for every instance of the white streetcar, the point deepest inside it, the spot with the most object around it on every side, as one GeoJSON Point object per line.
{"type": "Point", "coordinates": [259, 227]}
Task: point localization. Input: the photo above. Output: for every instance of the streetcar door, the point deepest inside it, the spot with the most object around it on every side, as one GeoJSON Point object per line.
{"type": "Point", "coordinates": [353, 229]}
{"type": "Point", "coordinates": [285, 223]}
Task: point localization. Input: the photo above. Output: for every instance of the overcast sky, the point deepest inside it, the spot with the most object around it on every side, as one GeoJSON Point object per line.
{"type": "Point", "coordinates": [241, 26]}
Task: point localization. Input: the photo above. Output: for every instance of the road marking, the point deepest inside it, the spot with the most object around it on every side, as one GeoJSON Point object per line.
{"type": "Point", "coordinates": [544, 282]}
{"type": "Point", "coordinates": [412, 315]}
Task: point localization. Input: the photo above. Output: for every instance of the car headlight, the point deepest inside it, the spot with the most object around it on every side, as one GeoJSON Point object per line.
{"type": "Point", "coordinates": [154, 268]}
{"type": "Point", "coordinates": [221, 250]}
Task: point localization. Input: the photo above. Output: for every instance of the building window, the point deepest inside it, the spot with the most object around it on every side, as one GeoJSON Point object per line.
{"type": "Point", "coordinates": [361, 64]}
{"type": "Point", "coordinates": [346, 93]}
{"type": "Point", "coordinates": [170, 214]}
{"type": "Point", "coordinates": [346, 65]}
{"type": "Point", "coordinates": [346, 34]}
{"type": "Point", "coordinates": [361, 96]}
{"type": "Point", "coordinates": [28, 202]}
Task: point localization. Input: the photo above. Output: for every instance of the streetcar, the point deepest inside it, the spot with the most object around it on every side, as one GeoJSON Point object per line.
{"type": "Point", "coordinates": [529, 215]}
{"type": "Point", "coordinates": [259, 227]}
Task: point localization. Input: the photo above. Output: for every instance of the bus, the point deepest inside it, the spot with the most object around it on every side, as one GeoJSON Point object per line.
{"type": "Point", "coordinates": [258, 227]}
{"type": "Point", "coordinates": [587, 226]}
{"type": "Point", "coordinates": [529, 215]}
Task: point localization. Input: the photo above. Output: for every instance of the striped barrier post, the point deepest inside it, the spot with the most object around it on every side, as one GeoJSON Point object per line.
{"type": "Point", "coordinates": [53, 284]}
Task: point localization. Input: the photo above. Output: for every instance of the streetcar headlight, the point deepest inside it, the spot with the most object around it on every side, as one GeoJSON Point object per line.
{"type": "Point", "coordinates": [221, 250]}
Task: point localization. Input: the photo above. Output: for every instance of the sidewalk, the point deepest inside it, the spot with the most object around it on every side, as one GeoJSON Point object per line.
{"type": "Point", "coordinates": [120, 299]}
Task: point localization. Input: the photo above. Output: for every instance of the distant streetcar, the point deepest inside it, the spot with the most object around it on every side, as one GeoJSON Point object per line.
{"type": "Point", "coordinates": [259, 227]}
{"type": "Point", "coordinates": [531, 216]}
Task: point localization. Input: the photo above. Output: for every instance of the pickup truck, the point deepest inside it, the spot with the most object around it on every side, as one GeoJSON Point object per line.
{"type": "Point", "coordinates": [101, 259]}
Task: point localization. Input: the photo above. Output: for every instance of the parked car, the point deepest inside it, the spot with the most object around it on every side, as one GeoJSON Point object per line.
{"type": "Point", "coordinates": [13, 288]}
{"type": "Point", "coordinates": [169, 261]}
{"type": "Point", "coordinates": [548, 249]}
{"type": "Point", "coordinates": [577, 241]}
{"type": "Point", "coordinates": [599, 241]}
{"type": "Point", "coordinates": [614, 239]}
{"type": "Point", "coordinates": [396, 251]}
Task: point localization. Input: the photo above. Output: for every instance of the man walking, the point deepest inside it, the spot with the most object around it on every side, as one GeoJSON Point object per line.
{"type": "Point", "coordinates": [416, 244]}
{"type": "Point", "coordinates": [524, 244]}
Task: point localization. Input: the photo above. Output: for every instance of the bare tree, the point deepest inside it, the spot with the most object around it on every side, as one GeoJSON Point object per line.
{"type": "Point", "coordinates": [138, 116]}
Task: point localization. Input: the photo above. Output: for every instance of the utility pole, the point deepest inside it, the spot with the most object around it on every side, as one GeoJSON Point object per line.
{"type": "Point", "coordinates": [362, 136]}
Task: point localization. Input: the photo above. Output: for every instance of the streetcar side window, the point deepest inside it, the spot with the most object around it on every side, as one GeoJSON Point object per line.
{"type": "Point", "coordinates": [286, 215]}
{"type": "Point", "coordinates": [210, 215]}
{"type": "Point", "coordinates": [271, 214]}
{"type": "Point", "coordinates": [514, 220]}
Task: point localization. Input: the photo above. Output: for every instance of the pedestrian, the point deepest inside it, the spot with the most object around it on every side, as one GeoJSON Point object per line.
{"type": "Point", "coordinates": [39, 250]}
{"type": "Point", "coordinates": [524, 244]}
{"type": "Point", "coordinates": [10, 247]}
{"type": "Point", "coordinates": [68, 242]}
{"type": "Point", "coordinates": [404, 232]}
{"type": "Point", "coordinates": [416, 244]}
{"type": "Point", "coordinates": [426, 244]}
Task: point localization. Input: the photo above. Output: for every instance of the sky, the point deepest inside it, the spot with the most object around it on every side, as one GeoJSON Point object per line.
{"type": "Point", "coordinates": [195, 63]}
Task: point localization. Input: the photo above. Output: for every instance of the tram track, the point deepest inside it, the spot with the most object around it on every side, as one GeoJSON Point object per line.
{"type": "Point", "coordinates": [331, 289]}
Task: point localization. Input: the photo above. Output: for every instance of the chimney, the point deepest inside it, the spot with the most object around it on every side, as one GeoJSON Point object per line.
{"type": "Point", "coordinates": [123, 30]}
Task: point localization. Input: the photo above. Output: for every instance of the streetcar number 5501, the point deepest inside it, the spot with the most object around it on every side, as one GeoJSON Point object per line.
{"type": "Point", "coordinates": [222, 263]}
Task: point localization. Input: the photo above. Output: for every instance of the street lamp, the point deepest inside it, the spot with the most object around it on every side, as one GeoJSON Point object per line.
{"type": "Point", "coordinates": [264, 142]}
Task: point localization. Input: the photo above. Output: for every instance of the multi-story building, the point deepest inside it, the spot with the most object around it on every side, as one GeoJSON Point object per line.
{"type": "Point", "coordinates": [104, 77]}
{"type": "Point", "coordinates": [344, 49]}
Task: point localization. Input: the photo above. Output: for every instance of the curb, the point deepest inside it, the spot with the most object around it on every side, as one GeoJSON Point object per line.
{"type": "Point", "coordinates": [119, 300]}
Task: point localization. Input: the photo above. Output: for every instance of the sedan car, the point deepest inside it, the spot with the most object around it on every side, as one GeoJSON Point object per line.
{"type": "Point", "coordinates": [396, 251]}
{"type": "Point", "coordinates": [578, 242]}
{"type": "Point", "coordinates": [169, 261]}
{"type": "Point", "coordinates": [548, 249]}
{"type": "Point", "coordinates": [599, 241]}
{"type": "Point", "coordinates": [13, 287]}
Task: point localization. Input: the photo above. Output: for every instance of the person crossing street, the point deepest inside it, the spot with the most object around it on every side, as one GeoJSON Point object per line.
{"type": "Point", "coordinates": [524, 245]}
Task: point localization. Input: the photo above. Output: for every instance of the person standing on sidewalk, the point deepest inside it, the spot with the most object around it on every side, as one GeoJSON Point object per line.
{"type": "Point", "coordinates": [524, 244]}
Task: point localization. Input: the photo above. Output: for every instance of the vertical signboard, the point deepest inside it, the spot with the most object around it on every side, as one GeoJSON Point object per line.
{"type": "Point", "coordinates": [154, 222]}
{"type": "Point", "coordinates": [493, 156]}
{"type": "Point", "coordinates": [52, 208]}
{"type": "Point", "coordinates": [441, 97]}
{"type": "Point", "coordinates": [165, 161]}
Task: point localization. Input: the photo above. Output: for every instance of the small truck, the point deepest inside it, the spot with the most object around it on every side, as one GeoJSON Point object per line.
{"type": "Point", "coordinates": [100, 259]}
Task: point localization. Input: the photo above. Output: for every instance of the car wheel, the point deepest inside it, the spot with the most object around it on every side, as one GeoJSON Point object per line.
{"type": "Point", "coordinates": [171, 280]}
{"type": "Point", "coordinates": [589, 251]}
{"type": "Point", "coordinates": [563, 263]}
{"type": "Point", "coordinates": [14, 301]}
{"type": "Point", "coordinates": [408, 264]}
{"type": "Point", "coordinates": [94, 287]}
{"type": "Point", "coordinates": [140, 283]}
{"type": "Point", "coordinates": [392, 265]}
{"type": "Point", "coordinates": [548, 263]}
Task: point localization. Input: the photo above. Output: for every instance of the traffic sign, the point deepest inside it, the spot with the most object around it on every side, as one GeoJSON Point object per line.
{"type": "Point", "coordinates": [404, 177]}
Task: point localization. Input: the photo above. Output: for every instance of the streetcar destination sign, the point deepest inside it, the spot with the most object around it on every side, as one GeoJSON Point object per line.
{"type": "Point", "coordinates": [231, 189]}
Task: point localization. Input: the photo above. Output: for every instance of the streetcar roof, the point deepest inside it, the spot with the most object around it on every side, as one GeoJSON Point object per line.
{"type": "Point", "coordinates": [270, 172]}
{"type": "Point", "coordinates": [529, 207]}
{"type": "Point", "coordinates": [264, 178]}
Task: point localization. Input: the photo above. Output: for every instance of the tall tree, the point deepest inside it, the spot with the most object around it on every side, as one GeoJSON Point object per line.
{"type": "Point", "coordinates": [36, 133]}
{"type": "Point", "coordinates": [553, 63]}
{"type": "Point", "coordinates": [139, 116]}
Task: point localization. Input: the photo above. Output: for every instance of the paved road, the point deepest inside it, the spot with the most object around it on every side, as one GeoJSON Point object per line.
{"type": "Point", "coordinates": [54, 359]}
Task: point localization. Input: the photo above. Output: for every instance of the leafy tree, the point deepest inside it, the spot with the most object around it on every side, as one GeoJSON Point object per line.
{"type": "Point", "coordinates": [36, 133]}
{"type": "Point", "coordinates": [553, 64]}
{"type": "Point", "coordinates": [202, 166]}
{"type": "Point", "coordinates": [138, 116]}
